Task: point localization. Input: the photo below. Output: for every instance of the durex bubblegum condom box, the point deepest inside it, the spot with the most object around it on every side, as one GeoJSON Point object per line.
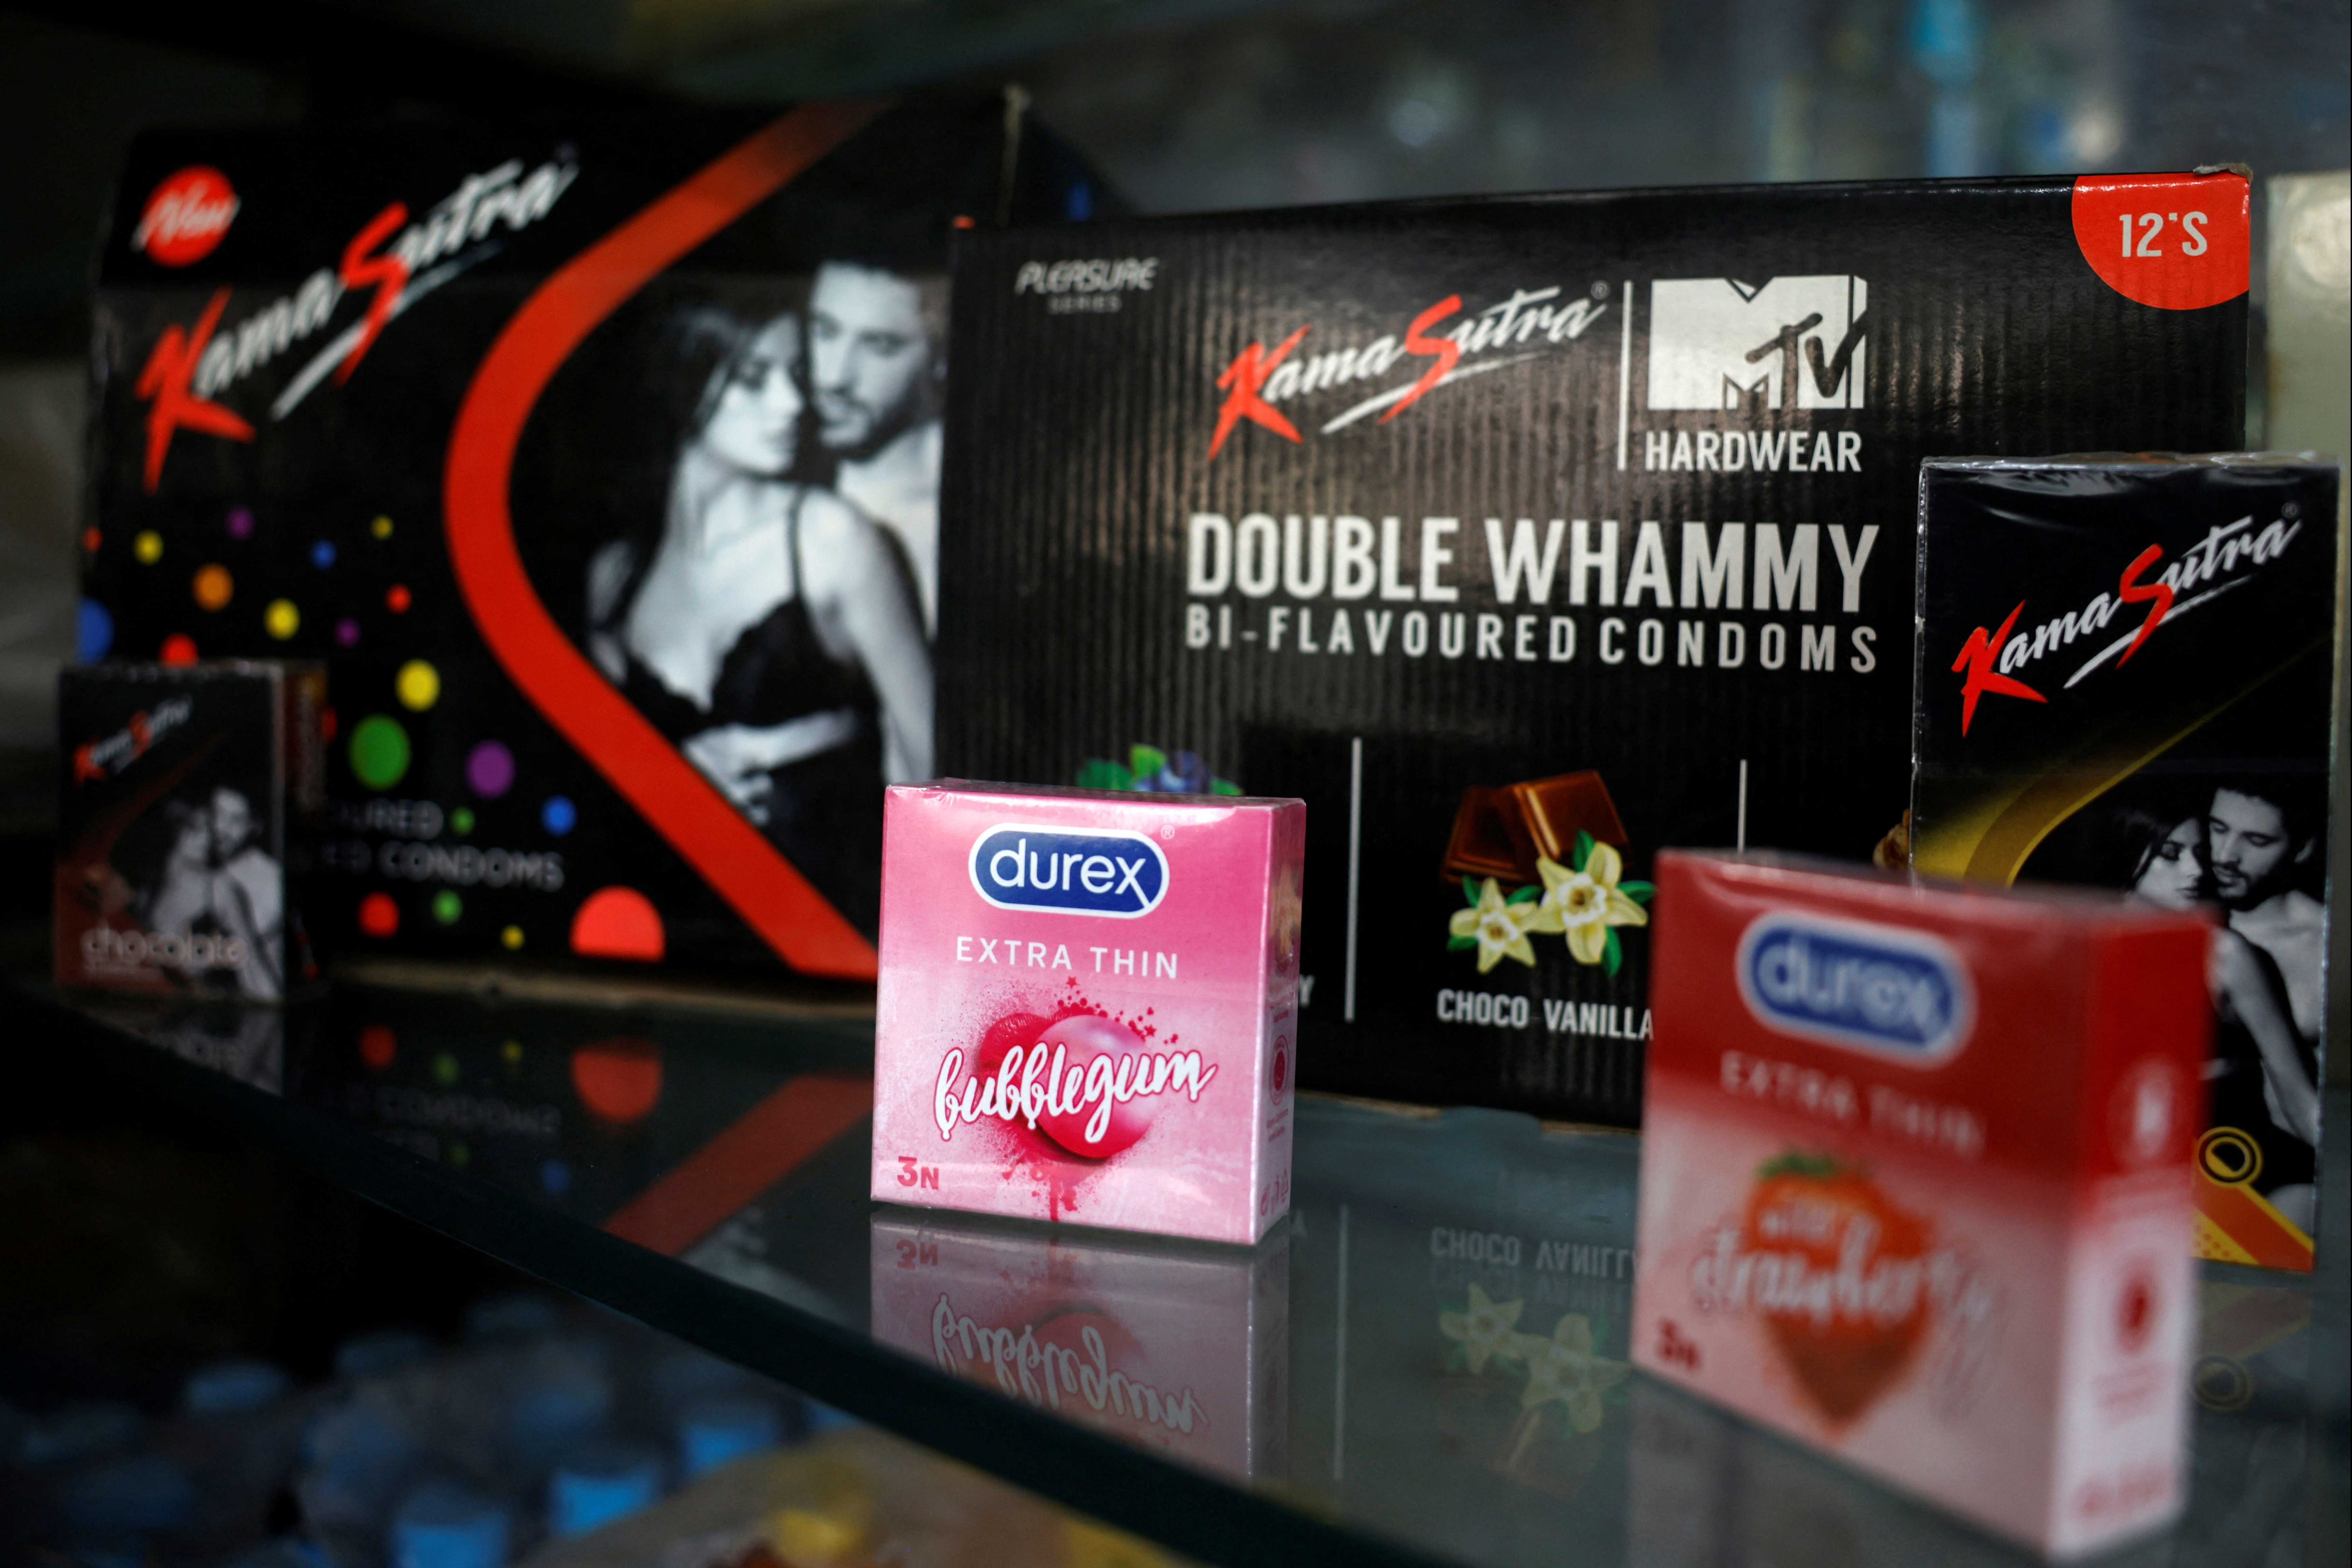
{"type": "Point", "coordinates": [1087, 1005]}
{"type": "Point", "coordinates": [1915, 1177]}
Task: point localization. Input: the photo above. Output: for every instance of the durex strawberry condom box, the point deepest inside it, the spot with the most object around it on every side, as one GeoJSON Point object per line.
{"type": "Point", "coordinates": [1087, 1005]}
{"type": "Point", "coordinates": [1915, 1177]}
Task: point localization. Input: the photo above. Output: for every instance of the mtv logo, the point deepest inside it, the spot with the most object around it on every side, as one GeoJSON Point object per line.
{"type": "Point", "coordinates": [1790, 342]}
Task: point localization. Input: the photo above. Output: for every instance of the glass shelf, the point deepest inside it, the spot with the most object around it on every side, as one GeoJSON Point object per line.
{"type": "Point", "coordinates": [704, 1170]}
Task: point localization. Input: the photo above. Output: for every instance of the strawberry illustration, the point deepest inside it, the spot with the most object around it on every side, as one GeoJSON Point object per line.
{"type": "Point", "coordinates": [1839, 1276]}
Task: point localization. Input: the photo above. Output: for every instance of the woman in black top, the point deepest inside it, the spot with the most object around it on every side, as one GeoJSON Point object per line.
{"type": "Point", "coordinates": [2263, 1083]}
{"type": "Point", "coordinates": [769, 630]}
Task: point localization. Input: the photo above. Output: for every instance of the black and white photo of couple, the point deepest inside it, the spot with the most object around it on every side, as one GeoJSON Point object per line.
{"type": "Point", "coordinates": [210, 897]}
{"type": "Point", "coordinates": [2255, 846]}
{"type": "Point", "coordinates": [775, 622]}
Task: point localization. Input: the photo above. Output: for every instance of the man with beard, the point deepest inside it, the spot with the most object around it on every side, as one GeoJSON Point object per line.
{"type": "Point", "coordinates": [248, 893]}
{"type": "Point", "coordinates": [2260, 842]}
{"type": "Point", "coordinates": [878, 368]}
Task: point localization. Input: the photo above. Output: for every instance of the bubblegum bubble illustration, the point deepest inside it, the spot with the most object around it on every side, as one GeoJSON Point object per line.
{"type": "Point", "coordinates": [1083, 1039]}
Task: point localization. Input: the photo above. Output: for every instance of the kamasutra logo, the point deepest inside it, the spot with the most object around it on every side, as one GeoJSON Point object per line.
{"type": "Point", "coordinates": [395, 261]}
{"type": "Point", "coordinates": [101, 758]}
{"type": "Point", "coordinates": [1432, 352]}
{"type": "Point", "coordinates": [2216, 565]}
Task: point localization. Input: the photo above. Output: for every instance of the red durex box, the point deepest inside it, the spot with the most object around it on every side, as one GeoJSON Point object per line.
{"type": "Point", "coordinates": [1915, 1178]}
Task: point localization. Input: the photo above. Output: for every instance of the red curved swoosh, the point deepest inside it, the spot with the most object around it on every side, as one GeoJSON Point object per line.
{"type": "Point", "coordinates": [686, 808]}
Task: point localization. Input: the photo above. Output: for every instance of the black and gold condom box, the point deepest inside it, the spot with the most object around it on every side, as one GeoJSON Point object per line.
{"type": "Point", "coordinates": [2127, 676]}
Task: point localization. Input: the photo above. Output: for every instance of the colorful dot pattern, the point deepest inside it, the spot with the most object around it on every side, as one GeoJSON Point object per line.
{"type": "Point", "coordinates": [381, 751]}
{"type": "Point", "coordinates": [418, 685]}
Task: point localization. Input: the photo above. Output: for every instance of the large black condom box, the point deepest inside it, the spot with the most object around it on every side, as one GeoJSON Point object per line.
{"type": "Point", "coordinates": [1522, 537]}
{"type": "Point", "coordinates": [599, 461]}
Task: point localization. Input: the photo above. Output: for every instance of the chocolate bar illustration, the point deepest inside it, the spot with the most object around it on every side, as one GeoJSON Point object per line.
{"type": "Point", "coordinates": [1479, 846]}
{"type": "Point", "coordinates": [1500, 833]}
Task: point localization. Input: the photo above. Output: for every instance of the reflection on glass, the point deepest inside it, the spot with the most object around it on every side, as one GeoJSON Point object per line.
{"type": "Point", "coordinates": [248, 1044]}
{"type": "Point", "coordinates": [1180, 1347]}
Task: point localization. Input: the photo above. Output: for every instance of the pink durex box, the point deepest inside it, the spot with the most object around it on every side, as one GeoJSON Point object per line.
{"type": "Point", "coordinates": [1169, 1345]}
{"type": "Point", "coordinates": [1916, 1182]}
{"type": "Point", "coordinates": [1086, 1004]}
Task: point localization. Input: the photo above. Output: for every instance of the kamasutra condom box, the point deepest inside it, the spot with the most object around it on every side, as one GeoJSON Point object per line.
{"type": "Point", "coordinates": [1088, 1009]}
{"type": "Point", "coordinates": [1915, 1181]}
{"type": "Point", "coordinates": [1170, 1345]}
{"type": "Point", "coordinates": [1522, 536]}
{"type": "Point", "coordinates": [2126, 676]}
{"type": "Point", "coordinates": [599, 459]}
{"type": "Point", "coordinates": [183, 793]}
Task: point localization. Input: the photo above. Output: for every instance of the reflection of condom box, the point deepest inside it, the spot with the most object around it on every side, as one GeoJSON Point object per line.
{"type": "Point", "coordinates": [181, 794]}
{"type": "Point", "coordinates": [2107, 644]}
{"type": "Point", "coordinates": [407, 398]}
{"type": "Point", "coordinates": [1087, 1006]}
{"type": "Point", "coordinates": [1372, 505]}
{"type": "Point", "coordinates": [1461, 1287]}
{"type": "Point", "coordinates": [1169, 1345]}
{"type": "Point", "coordinates": [1914, 1175]}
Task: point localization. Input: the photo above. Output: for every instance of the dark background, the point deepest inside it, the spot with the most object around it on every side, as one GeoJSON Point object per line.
{"type": "Point", "coordinates": [134, 1245]}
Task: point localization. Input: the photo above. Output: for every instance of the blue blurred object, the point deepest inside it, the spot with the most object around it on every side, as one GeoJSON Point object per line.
{"type": "Point", "coordinates": [381, 1353]}
{"type": "Point", "coordinates": [517, 1315]}
{"type": "Point", "coordinates": [234, 1386]}
{"type": "Point", "coordinates": [602, 1484]}
{"type": "Point", "coordinates": [94, 631]}
{"type": "Point", "coordinates": [710, 1432]}
{"type": "Point", "coordinates": [109, 1549]}
{"type": "Point", "coordinates": [283, 1551]}
{"type": "Point", "coordinates": [355, 1457]}
{"type": "Point", "coordinates": [1184, 772]}
{"type": "Point", "coordinates": [1948, 39]}
{"type": "Point", "coordinates": [83, 1430]}
{"type": "Point", "coordinates": [443, 1526]}
{"type": "Point", "coordinates": [145, 1492]}
{"type": "Point", "coordinates": [561, 1404]}
{"type": "Point", "coordinates": [824, 1418]}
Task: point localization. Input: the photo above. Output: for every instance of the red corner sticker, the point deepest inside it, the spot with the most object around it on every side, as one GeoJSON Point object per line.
{"type": "Point", "coordinates": [2177, 242]}
{"type": "Point", "coordinates": [187, 216]}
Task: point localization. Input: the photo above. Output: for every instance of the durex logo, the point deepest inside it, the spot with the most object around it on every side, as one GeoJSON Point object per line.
{"type": "Point", "coordinates": [1882, 989]}
{"type": "Point", "coordinates": [1074, 871]}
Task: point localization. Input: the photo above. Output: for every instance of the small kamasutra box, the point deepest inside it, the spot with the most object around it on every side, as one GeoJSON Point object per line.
{"type": "Point", "coordinates": [176, 788]}
{"type": "Point", "coordinates": [1170, 1345]}
{"type": "Point", "coordinates": [1914, 1181]}
{"type": "Point", "coordinates": [2126, 677]}
{"type": "Point", "coordinates": [1087, 1005]}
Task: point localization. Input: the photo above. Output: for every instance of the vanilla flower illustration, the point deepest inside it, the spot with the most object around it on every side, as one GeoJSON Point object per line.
{"type": "Point", "coordinates": [1486, 1328]}
{"type": "Point", "coordinates": [1563, 1367]}
{"type": "Point", "coordinates": [1497, 926]}
{"type": "Point", "coordinates": [1588, 901]}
